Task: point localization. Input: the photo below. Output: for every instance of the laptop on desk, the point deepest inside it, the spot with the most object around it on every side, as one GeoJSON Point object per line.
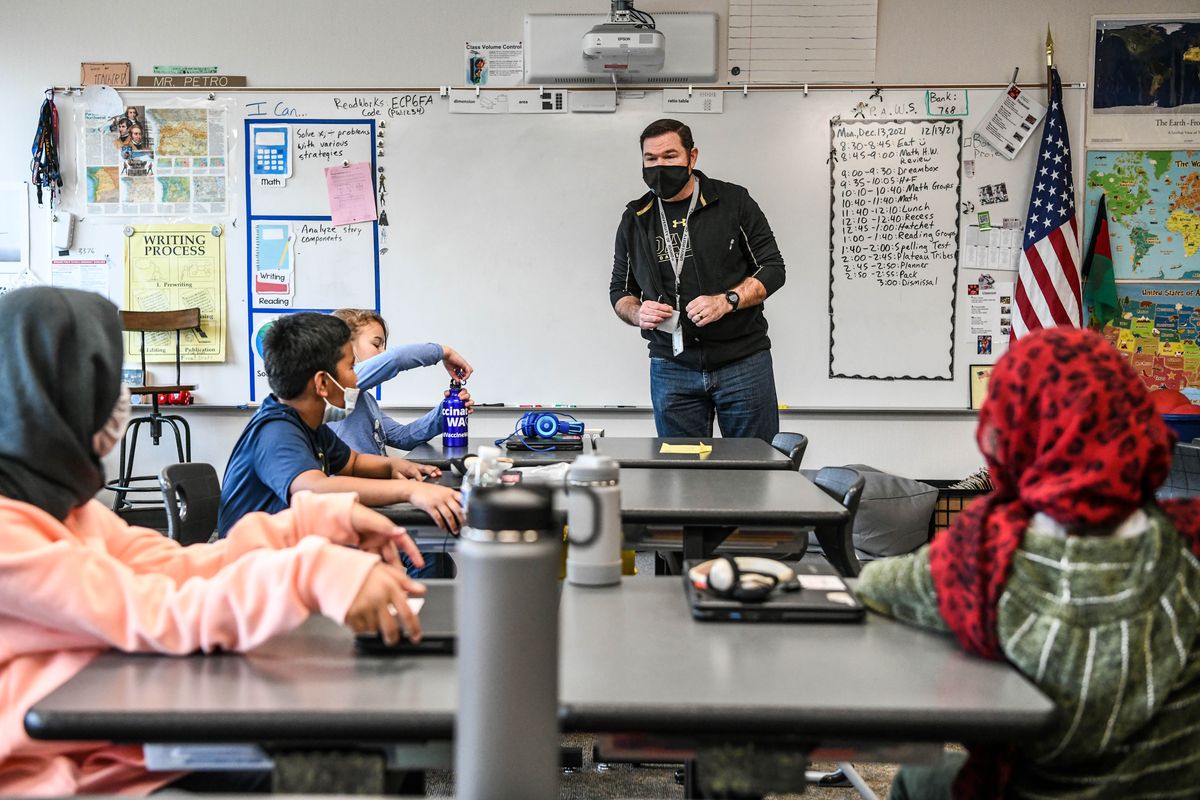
{"type": "Point", "coordinates": [559, 443]}
{"type": "Point", "coordinates": [438, 629]}
{"type": "Point", "coordinates": [823, 597]}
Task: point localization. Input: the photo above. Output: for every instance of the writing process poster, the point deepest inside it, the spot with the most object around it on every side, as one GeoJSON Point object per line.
{"type": "Point", "coordinates": [173, 267]}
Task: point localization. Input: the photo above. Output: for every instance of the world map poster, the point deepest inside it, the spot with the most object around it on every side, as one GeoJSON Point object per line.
{"type": "Point", "coordinates": [155, 161]}
{"type": "Point", "coordinates": [1153, 200]}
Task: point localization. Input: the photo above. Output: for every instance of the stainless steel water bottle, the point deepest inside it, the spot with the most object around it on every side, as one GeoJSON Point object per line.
{"type": "Point", "coordinates": [506, 733]}
{"type": "Point", "coordinates": [594, 521]}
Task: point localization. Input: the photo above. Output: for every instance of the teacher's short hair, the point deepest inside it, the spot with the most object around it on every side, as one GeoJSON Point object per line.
{"type": "Point", "coordinates": [661, 126]}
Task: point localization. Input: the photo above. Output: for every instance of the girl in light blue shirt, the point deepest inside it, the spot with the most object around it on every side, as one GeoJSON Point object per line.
{"type": "Point", "coordinates": [367, 429]}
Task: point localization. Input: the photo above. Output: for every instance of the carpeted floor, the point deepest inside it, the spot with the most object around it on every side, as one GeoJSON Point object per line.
{"type": "Point", "coordinates": [630, 781]}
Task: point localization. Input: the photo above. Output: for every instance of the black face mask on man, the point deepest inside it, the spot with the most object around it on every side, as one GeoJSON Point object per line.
{"type": "Point", "coordinates": [666, 181]}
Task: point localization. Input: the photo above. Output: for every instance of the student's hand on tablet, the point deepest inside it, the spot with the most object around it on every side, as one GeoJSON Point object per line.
{"type": "Point", "coordinates": [441, 503]}
{"type": "Point", "coordinates": [381, 605]}
{"type": "Point", "coordinates": [455, 364]}
{"type": "Point", "coordinates": [377, 534]}
{"type": "Point", "coordinates": [403, 468]}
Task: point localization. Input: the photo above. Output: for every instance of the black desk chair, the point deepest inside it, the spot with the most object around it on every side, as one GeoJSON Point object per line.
{"type": "Point", "coordinates": [154, 322]}
{"type": "Point", "coordinates": [791, 445]}
{"type": "Point", "coordinates": [192, 495]}
{"type": "Point", "coordinates": [846, 486]}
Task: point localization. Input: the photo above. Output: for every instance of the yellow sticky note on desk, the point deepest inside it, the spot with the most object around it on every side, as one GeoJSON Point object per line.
{"type": "Point", "coordinates": [700, 449]}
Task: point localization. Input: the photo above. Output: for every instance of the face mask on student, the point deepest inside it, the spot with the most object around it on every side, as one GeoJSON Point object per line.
{"type": "Point", "coordinates": [334, 413]}
{"type": "Point", "coordinates": [666, 181]}
{"type": "Point", "coordinates": [105, 439]}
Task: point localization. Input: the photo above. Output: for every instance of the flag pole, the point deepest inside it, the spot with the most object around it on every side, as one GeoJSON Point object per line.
{"type": "Point", "coordinates": [1049, 60]}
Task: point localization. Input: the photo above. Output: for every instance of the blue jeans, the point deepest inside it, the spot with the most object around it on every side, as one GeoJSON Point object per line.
{"type": "Point", "coordinates": [741, 396]}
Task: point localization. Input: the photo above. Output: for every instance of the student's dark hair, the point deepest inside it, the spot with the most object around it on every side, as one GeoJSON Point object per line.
{"type": "Point", "coordinates": [299, 346]}
{"type": "Point", "coordinates": [661, 126]}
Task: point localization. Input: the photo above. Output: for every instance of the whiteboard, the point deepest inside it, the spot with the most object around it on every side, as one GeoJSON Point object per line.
{"type": "Point", "coordinates": [500, 237]}
{"type": "Point", "coordinates": [894, 247]}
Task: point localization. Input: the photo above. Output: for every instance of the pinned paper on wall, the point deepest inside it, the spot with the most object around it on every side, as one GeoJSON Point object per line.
{"type": "Point", "coordinates": [989, 312]}
{"type": "Point", "coordinates": [351, 193]}
{"type": "Point", "coordinates": [88, 274]}
{"type": "Point", "coordinates": [14, 233]}
{"type": "Point", "coordinates": [172, 267]}
{"type": "Point", "coordinates": [1011, 121]}
{"type": "Point", "coordinates": [494, 63]}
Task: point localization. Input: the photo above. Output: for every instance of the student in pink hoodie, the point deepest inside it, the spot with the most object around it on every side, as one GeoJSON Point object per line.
{"type": "Point", "coordinates": [76, 580]}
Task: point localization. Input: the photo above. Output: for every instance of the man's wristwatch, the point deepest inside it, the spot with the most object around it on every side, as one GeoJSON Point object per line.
{"type": "Point", "coordinates": [733, 299]}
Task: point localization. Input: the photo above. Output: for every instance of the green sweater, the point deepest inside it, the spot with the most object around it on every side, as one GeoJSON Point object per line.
{"type": "Point", "coordinates": [1104, 626]}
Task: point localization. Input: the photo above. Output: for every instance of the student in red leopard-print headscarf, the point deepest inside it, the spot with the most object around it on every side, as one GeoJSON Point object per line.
{"type": "Point", "coordinates": [1071, 571]}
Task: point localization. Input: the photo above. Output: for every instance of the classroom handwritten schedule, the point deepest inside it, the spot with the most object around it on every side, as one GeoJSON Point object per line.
{"type": "Point", "coordinates": [893, 248]}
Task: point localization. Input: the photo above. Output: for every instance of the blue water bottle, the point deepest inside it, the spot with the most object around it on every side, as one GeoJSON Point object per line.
{"type": "Point", "coordinates": [454, 418]}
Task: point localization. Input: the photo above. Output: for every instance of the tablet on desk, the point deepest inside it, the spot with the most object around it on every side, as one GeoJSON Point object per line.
{"type": "Point", "coordinates": [823, 597]}
{"type": "Point", "coordinates": [438, 632]}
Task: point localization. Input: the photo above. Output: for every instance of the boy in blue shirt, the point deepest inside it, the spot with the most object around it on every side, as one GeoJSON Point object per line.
{"type": "Point", "coordinates": [368, 429]}
{"type": "Point", "coordinates": [287, 447]}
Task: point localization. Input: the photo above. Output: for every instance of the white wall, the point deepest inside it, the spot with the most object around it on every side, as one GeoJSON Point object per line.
{"type": "Point", "coordinates": [373, 43]}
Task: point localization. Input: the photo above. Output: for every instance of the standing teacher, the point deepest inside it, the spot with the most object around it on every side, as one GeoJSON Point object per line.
{"type": "Point", "coordinates": [703, 246]}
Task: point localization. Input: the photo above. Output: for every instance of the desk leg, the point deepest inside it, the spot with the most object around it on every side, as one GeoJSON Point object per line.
{"type": "Point", "coordinates": [838, 544]}
{"type": "Point", "coordinates": [691, 786]}
{"type": "Point", "coordinates": [700, 541]}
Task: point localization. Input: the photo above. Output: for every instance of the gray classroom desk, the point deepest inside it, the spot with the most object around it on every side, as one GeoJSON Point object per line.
{"type": "Point", "coordinates": [631, 451]}
{"type": "Point", "coordinates": [644, 453]}
{"type": "Point", "coordinates": [433, 453]}
{"type": "Point", "coordinates": [707, 504]}
{"type": "Point", "coordinates": [682, 690]}
{"type": "Point", "coordinates": [632, 659]}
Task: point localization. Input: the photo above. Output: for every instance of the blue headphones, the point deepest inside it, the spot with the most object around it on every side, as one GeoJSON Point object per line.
{"type": "Point", "coordinates": [544, 425]}
{"type": "Point", "coordinates": [539, 425]}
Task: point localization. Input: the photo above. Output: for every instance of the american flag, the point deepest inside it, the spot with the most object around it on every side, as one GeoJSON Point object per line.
{"type": "Point", "coordinates": [1048, 293]}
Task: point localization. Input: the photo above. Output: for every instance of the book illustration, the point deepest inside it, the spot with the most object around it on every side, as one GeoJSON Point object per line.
{"type": "Point", "coordinates": [273, 259]}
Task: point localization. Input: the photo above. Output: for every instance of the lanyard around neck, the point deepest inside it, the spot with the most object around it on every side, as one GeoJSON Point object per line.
{"type": "Point", "coordinates": [676, 256]}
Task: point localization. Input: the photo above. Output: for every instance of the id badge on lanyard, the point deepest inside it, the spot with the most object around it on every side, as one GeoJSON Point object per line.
{"type": "Point", "coordinates": [676, 257]}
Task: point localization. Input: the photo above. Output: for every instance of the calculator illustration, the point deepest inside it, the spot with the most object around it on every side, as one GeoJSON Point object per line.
{"type": "Point", "coordinates": [271, 152]}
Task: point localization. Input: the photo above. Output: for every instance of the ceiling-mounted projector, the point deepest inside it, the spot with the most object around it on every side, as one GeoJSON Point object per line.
{"type": "Point", "coordinates": [627, 44]}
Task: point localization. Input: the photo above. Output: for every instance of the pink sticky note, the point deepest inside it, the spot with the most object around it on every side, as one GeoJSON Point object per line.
{"type": "Point", "coordinates": [351, 193]}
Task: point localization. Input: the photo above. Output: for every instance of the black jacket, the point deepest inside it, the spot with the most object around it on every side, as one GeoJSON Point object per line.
{"type": "Point", "coordinates": [725, 216]}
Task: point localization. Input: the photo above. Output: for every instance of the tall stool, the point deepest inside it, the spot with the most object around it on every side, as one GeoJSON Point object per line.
{"type": "Point", "coordinates": [127, 483]}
